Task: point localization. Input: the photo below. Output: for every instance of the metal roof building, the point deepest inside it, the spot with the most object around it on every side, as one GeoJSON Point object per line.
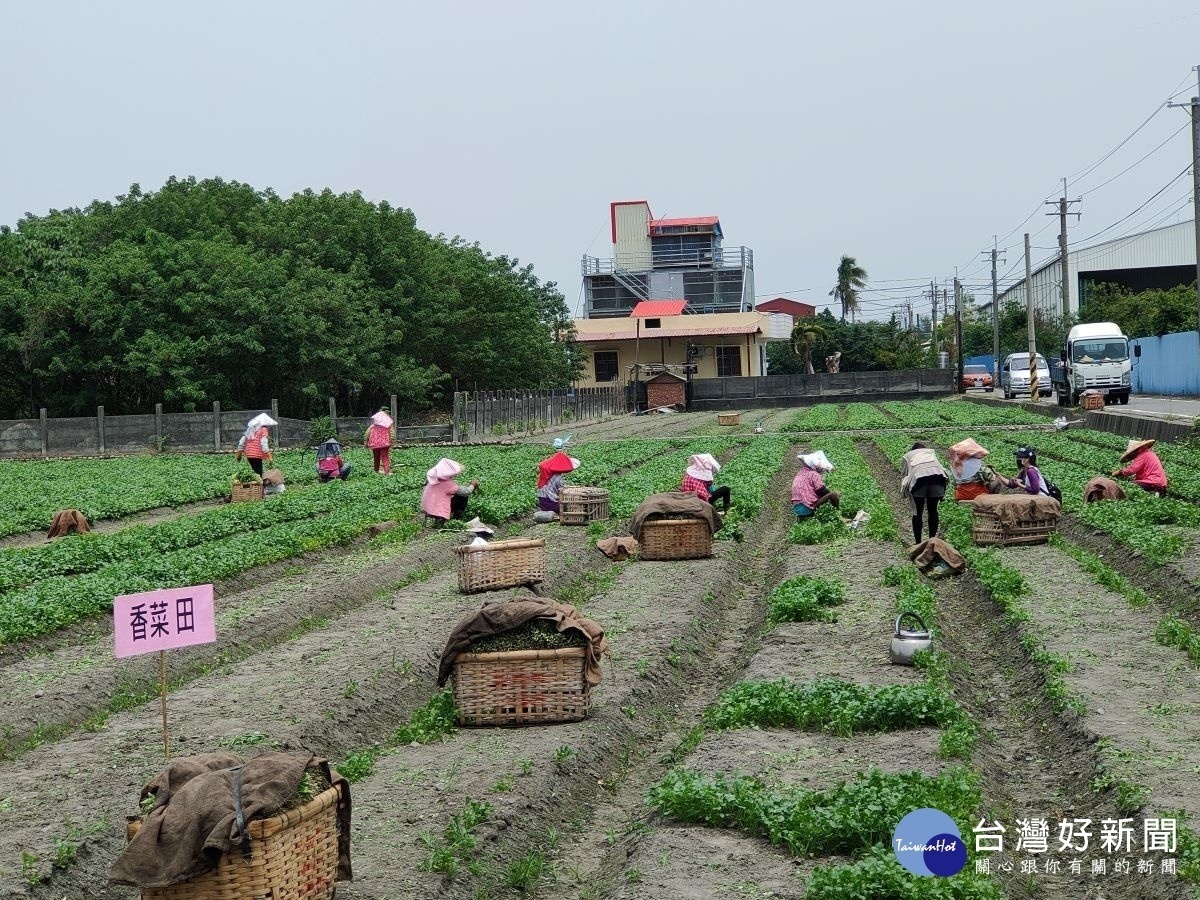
{"type": "Point", "coordinates": [1160, 258]}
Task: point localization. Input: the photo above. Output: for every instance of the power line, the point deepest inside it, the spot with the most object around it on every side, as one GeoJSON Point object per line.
{"type": "Point", "coordinates": [1154, 196]}
{"type": "Point", "coordinates": [1136, 164]}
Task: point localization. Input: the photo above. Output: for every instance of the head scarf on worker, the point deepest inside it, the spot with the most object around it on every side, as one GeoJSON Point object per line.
{"type": "Point", "coordinates": [817, 461]}
{"type": "Point", "coordinates": [966, 459]}
{"type": "Point", "coordinates": [558, 464]}
{"type": "Point", "coordinates": [382, 419]}
{"type": "Point", "coordinates": [443, 471]}
{"type": "Point", "coordinates": [328, 449]}
{"type": "Point", "coordinates": [703, 466]}
{"type": "Point", "coordinates": [259, 421]}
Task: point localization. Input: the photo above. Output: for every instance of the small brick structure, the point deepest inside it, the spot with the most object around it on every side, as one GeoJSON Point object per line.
{"type": "Point", "coordinates": [666, 389]}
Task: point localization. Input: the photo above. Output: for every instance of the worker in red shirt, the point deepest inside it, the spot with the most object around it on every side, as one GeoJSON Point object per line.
{"type": "Point", "coordinates": [698, 480]}
{"type": "Point", "coordinates": [1144, 467]}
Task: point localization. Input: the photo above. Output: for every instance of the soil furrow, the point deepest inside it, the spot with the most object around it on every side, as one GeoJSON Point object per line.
{"type": "Point", "coordinates": [1047, 772]}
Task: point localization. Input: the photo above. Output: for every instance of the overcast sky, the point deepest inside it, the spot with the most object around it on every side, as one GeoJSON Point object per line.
{"type": "Point", "coordinates": [904, 134]}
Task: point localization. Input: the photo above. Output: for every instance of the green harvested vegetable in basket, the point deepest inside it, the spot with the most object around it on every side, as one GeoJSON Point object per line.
{"type": "Point", "coordinates": [536, 634]}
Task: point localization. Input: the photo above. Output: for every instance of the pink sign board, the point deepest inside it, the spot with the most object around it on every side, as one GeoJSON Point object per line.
{"type": "Point", "coordinates": [164, 620]}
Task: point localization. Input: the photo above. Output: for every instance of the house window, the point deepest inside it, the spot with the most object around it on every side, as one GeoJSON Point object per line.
{"type": "Point", "coordinates": [729, 362]}
{"type": "Point", "coordinates": [606, 365]}
{"type": "Point", "coordinates": [654, 323]}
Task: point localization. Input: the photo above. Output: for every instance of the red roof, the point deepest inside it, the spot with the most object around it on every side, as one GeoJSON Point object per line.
{"type": "Point", "coordinates": [793, 308]}
{"type": "Point", "coordinates": [690, 220]}
{"type": "Point", "coordinates": [606, 336]}
{"type": "Point", "coordinates": [653, 309]}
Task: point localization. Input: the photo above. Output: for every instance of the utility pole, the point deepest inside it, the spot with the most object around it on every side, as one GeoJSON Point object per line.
{"type": "Point", "coordinates": [1194, 107]}
{"type": "Point", "coordinates": [1033, 384]}
{"type": "Point", "coordinates": [1063, 203]}
{"type": "Point", "coordinates": [933, 323]}
{"type": "Point", "coordinates": [995, 253]}
{"type": "Point", "coordinates": [962, 385]}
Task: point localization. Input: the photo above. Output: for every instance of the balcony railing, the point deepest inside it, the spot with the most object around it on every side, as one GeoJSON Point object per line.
{"type": "Point", "coordinates": [722, 258]}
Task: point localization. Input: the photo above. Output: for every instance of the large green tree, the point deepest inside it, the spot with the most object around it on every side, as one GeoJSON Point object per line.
{"type": "Point", "coordinates": [851, 278]}
{"type": "Point", "coordinates": [212, 290]}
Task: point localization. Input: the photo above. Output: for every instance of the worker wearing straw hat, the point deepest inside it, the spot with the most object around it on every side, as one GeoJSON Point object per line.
{"type": "Point", "coordinates": [443, 497]}
{"type": "Point", "coordinates": [379, 441]}
{"type": "Point", "coordinates": [698, 479]}
{"type": "Point", "coordinates": [1144, 467]}
{"type": "Point", "coordinates": [550, 480]}
{"type": "Point", "coordinates": [254, 442]}
{"type": "Point", "coordinates": [808, 487]}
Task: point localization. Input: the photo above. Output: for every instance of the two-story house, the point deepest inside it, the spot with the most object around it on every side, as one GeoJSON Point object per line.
{"type": "Point", "coordinates": [672, 298]}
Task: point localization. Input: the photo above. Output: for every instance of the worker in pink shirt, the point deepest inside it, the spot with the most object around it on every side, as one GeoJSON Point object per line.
{"type": "Point", "coordinates": [808, 487]}
{"type": "Point", "coordinates": [1144, 467]}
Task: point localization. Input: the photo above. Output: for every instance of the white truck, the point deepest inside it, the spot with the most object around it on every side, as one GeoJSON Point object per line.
{"type": "Point", "coordinates": [1094, 357]}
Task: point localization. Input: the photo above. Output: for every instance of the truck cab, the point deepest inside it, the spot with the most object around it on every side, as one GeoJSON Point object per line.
{"type": "Point", "coordinates": [1095, 356]}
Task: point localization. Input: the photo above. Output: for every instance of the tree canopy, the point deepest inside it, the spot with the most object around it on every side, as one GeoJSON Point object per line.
{"type": "Point", "coordinates": [213, 290]}
{"type": "Point", "coordinates": [851, 278]}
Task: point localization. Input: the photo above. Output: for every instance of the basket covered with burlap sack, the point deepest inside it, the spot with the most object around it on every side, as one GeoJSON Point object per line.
{"type": "Point", "coordinates": [217, 827]}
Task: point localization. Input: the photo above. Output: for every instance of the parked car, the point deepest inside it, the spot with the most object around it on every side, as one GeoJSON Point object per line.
{"type": "Point", "coordinates": [1014, 375]}
{"type": "Point", "coordinates": [977, 378]}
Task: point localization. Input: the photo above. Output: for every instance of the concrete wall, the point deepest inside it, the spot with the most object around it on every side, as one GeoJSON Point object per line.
{"type": "Point", "coordinates": [1168, 365]}
{"type": "Point", "coordinates": [798, 390]}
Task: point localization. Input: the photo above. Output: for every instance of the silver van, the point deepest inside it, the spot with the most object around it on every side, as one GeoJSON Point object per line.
{"type": "Point", "coordinates": [1014, 376]}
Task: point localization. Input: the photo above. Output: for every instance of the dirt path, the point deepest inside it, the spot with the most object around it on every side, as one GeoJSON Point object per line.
{"type": "Point", "coordinates": [331, 690]}
{"type": "Point", "coordinates": [1045, 771]}
{"type": "Point", "coordinates": [673, 860]}
{"type": "Point", "coordinates": [347, 684]}
{"type": "Point", "coordinates": [54, 688]}
{"type": "Point", "coordinates": [107, 526]}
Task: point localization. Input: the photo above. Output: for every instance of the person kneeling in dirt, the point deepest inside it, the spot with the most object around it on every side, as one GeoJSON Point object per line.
{"type": "Point", "coordinates": [923, 481]}
{"type": "Point", "coordinates": [443, 498]}
{"type": "Point", "coordinates": [698, 480]}
{"type": "Point", "coordinates": [808, 487]}
{"type": "Point", "coordinates": [1029, 478]}
{"type": "Point", "coordinates": [1144, 467]}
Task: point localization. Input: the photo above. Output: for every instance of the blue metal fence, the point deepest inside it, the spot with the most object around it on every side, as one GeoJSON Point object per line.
{"type": "Point", "coordinates": [1169, 365]}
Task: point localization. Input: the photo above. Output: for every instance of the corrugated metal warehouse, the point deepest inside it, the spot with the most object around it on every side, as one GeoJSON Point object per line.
{"type": "Point", "coordinates": [1159, 258]}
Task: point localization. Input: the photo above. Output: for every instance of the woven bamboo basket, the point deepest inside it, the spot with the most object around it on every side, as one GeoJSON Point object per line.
{"type": "Point", "coordinates": [293, 856]}
{"type": "Point", "coordinates": [987, 530]}
{"type": "Point", "coordinates": [246, 493]}
{"type": "Point", "coordinates": [729, 419]}
{"type": "Point", "coordinates": [582, 505]}
{"type": "Point", "coordinates": [501, 564]}
{"type": "Point", "coordinates": [676, 539]}
{"type": "Point", "coordinates": [521, 687]}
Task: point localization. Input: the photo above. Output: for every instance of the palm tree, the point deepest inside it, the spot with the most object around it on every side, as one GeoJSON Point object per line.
{"type": "Point", "coordinates": [851, 278]}
{"type": "Point", "coordinates": [807, 333]}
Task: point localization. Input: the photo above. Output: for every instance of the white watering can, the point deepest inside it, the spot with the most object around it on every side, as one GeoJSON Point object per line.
{"type": "Point", "coordinates": [905, 643]}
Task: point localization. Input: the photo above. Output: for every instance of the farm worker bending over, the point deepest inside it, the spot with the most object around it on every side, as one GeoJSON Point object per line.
{"type": "Point", "coordinates": [550, 479]}
{"type": "Point", "coordinates": [330, 464]}
{"type": "Point", "coordinates": [971, 477]}
{"type": "Point", "coordinates": [698, 479]}
{"type": "Point", "coordinates": [808, 487]}
{"type": "Point", "coordinates": [254, 442]}
{"type": "Point", "coordinates": [1028, 479]}
{"type": "Point", "coordinates": [923, 481]}
{"type": "Point", "coordinates": [1144, 467]}
{"type": "Point", "coordinates": [443, 497]}
{"type": "Point", "coordinates": [379, 441]}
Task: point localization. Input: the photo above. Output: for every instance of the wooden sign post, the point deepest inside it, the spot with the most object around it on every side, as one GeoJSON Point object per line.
{"type": "Point", "coordinates": [157, 621]}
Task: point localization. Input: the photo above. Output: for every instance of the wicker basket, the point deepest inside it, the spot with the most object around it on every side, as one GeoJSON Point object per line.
{"type": "Point", "coordinates": [502, 564]}
{"type": "Point", "coordinates": [676, 539]}
{"type": "Point", "coordinates": [246, 493]}
{"type": "Point", "coordinates": [729, 419]}
{"type": "Point", "coordinates": [987, 530]}
{"type": "Point", "coordinates": [293, 856]}
{"type": "Point", "coordinates": [581, 505]}
{"type": "Point", "coordinates": [521, 687]}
